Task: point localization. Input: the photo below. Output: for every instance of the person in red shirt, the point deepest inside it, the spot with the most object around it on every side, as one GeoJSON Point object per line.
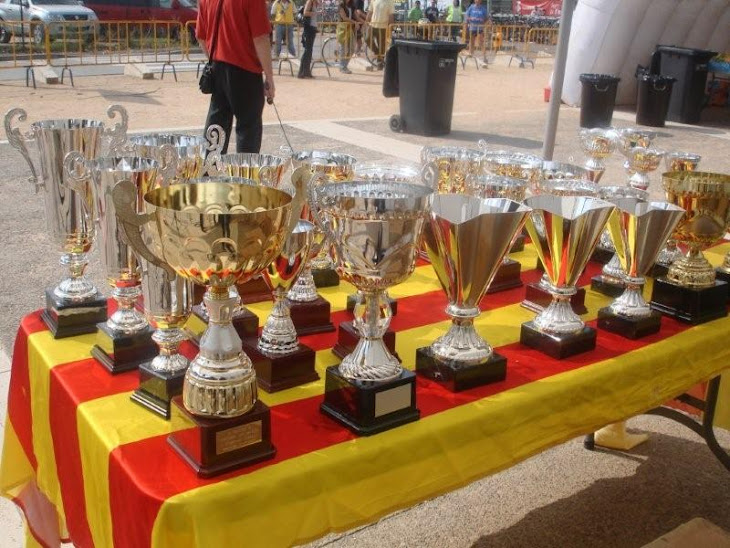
{"type": "Point", "coordinates": [242, 53]}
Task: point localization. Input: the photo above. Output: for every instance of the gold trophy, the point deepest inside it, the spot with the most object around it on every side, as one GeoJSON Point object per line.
{"type": "Point", "coordinates": [597, 144]}
{"type": "Point", "coordinates": [466, 239]}
{"type": "Point", "coordinates": [217, 234]}
{"type": "Point", "coordinates": [453, 166]}
{"type": "Point", "coordinates": [517, 165]}
{"type": "Point", "coordinates": [690, 292]}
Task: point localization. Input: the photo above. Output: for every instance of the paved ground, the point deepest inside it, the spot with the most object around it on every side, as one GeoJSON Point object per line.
{"type": "Point", "coordinates": [565, 497]}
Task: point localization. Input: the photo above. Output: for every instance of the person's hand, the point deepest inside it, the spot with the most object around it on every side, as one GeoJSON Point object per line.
{"type": "Point", "coordinates": [269, 90]}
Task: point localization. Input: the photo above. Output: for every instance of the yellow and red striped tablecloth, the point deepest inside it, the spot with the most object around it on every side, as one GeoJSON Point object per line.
{"type": "Point", "coordinates": [87, 464]}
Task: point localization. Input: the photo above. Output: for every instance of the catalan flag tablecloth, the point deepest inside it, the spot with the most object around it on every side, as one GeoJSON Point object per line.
{"type": "Point", "coordinates": [87, 464]}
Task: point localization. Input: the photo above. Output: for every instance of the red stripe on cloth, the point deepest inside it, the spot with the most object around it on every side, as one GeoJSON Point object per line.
{"type": "Point", "coordinates": [40, 515]}
{"type": "Point", "coordinates": [299, 428]}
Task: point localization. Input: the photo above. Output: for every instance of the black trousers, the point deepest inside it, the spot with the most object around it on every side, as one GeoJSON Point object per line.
{"type": "Point", "coordinates": [239, 93]}
{"type": "Point", "coordinates": [305, 66]}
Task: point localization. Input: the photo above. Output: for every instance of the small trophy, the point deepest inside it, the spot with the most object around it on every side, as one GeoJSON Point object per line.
{"type": "Point", "coordinates": [467, 238]}
{"type": "Point", "coordinates": [376, 228]}
{"type": "Point", "coordinates": [565, 230]}
{"type": "Point", "coordinates": [125, 339]}
{"type": "Point", "coordinates": [597, 144]}
{"type": "Point", "coordinates": [495, 186]}
{"type": "Point", "coordinates": [690, 292]}
{"type": "Point", "coordinates": [628, 138]}
{"type": "Point", "coordinates": [638, 230]}
{"type": "Point", "coordinates": [279, 359]}
{"type": "Point", "coordinates": [216, 234]}
{"type": "Point", "coordinates": [453, 165]}
{"type": "Point", "coordinates": [516, 165]}
{"type": "Point", "coordinates": [561, 170]}
{"type": "Point", "coordinates": [74, 306]}
{"type": "Point", "coordinates": [642, 162]}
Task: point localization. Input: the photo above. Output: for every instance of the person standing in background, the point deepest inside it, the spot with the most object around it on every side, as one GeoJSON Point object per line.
{"type": "Point", "coordinates": [346, 33]}
{"type": "Point", "coordinates": [416, 13]}
{"type": "Point", "coordinates": [476, 18]}
{"type": "Point", "coordinates": [454, 16]}
{"type": "Point", "coordinates": [283, 13]}
{"type": "Point", "coordinates": [380, 15]}
{"type": "Point", "coordinates": [432, 12]}
{"type": "Point", "coordinates": [361, 18]}
{"type": "Point", "coordinates": [311, 18]}
{"type": "Point", "coordinates": [242, 54]}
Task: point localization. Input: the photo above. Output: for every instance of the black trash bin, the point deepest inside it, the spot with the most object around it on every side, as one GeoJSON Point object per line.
{"type": "Point", "coordinates": [653, 96]}
{"type": "Point", "coordinates": [689, 67]}
{"type": "Point", "coordinates": [597, 99]}
{"type": "Point", "coordinates": [426, 80]}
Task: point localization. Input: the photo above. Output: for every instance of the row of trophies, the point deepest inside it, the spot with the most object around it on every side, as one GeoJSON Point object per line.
{"type": "Point", "coordinates": [170, 209]}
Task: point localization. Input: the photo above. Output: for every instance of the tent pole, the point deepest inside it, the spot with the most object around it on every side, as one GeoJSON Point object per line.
{"type": "Point", "coordinates": [556, 92]}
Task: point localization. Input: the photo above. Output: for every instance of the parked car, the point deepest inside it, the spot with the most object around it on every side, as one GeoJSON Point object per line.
{"type": "Point", "coordinates": [41, 16]}
{"type": "Point", "coordinates": [144, 10]}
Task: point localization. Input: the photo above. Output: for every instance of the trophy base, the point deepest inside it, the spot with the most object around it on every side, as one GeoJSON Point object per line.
{"type": "Point", "coordinates": [556, 347]}
{"type": "Point", "coordinates": [245, 322]}
{"type": "Point", "coordinates": [519, 244]}
{"type": "Point", "coordinates": [457, 376]}
{"type": "Point", "coordinates": [157, 388]}
{"type": "Point", "coordinates": [311, 317]}
{"type": "Point", "coordinates": [255, 291]}
{"type": "Point", "coordinates": [216, 446]}
{"type": "Point", "coordinates": [120, 353]}
{"type": "Point", "coordinates": [325, 277]}
{"type": "Point", "coordinates": [507, 277]}
{"type": "Point", "coordinates": [631, 328]}
{"type": "Point", "coordinates": [348, 337]}
{"type": "Point", "coordinates": [602, 256]}
{"type": "Point", "coordinates": [659, 271]}
{"type": "Point", "coordinates": [281, 371]}
{"type": "Point", "coordinates": [352, 301]}
{"type": "Point", "coordinates": [68, 320]}
{"type": "Point", "coordinates": [689, 305]}
{"type": "Point", "coordinates": [539, 266]}
{"type": "Point", "coordinates": [367, 407]}
{"type": "Point", "coordinates": [610, 289]}
{"type": "Point", "coordinates": [537, 299]}
{"type": "Point", "coordinates": [723, 277]}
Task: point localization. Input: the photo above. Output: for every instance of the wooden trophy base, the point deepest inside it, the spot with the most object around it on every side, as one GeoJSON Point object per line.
{"type": "Point", "coordinates": [120, 353]}
{"type": "Point", "coordinates": [352, 301]}
{"type": "Point", "coordinates": [156, 389]}
{"type": "Point", "coordinates": [631, 328]}
{"type": "Point", "coordinates": [66, 320]}
{"type": "Point", "coordinates": [537, 299]}
{"type": "Point", "coordinates": [519, 244]}
{"type": "Point", "coordinates": [217, 446]}
{"type": "Point", "coordinates": [245, 322]}
{"type": "Point", "coordinates": [457, 376]}
{"type": "Point", "coordinates": [659, 271]}
{"type": "Point", "coordinates": [367, 407]}
{"type": "Point", "coordinates": [348, 337]}
{"type": "Point", "coordinates": [507, 277]}
{"type": "Point", "coordinates": [281, 371]}
{"type": "Point", "coordinates": [606, 287]}
{"type": "Point", "coordinates": [689, 305]}
{"type": "Point", "coordinates": [255, 290]}
{"type": "Point", "coordinates": [325, 277]}
{"type": "Point", "coordinates": [558, 347]}
{"type": "Point", "coordinates": [602, 256]}
{"type": "Point", "coordinates": [311, 317]}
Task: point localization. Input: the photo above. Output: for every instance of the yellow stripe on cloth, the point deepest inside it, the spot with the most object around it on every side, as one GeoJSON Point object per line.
{"type": "Point", "coordinates": [356, 482]}
{"type": "Point", "coordinates": [15, 469]}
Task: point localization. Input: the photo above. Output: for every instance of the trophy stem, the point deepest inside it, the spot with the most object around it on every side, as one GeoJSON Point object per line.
{"type": "Point", "coordinates": [631, 303]}
{"type": "Point", "coordinates": [692, 270]}
{"type": "Point", "coordinates": [612, 271]}
{"type": "Point", "coordinates": [639, 180]}
{"type": "Point", "coordinates": [169, 360]}
{"type": "Point", "coordinates": [279, 336]}
{"type": "Point", "coordinates": [323, 261]}
{"type": "Point", "coordinates": [669, 254]}
{"type": "Point", "coordinates": [558, 318]}
{"type": "Point", "coordinates": [304, 290]}
{"type": "Point", "coordinates": [127, 319]}
{"type": "Point", "coordinates": [75, 288]}
{"type": "Point", "coordinates": [462, 342]}
{"type": "Point", "coordinates": [220, 381]}
{"type": "Point", "coordinates": [371, 360]}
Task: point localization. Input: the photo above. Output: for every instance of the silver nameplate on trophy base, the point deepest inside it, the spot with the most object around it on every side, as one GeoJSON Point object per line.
{"type": "Point", "coordinates": [393, 399]}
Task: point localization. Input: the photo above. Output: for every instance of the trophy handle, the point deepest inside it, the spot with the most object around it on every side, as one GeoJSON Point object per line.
{"type": "Point", "coordinates": [18, 141]}
{"type": "Point", "coordinates": [216, 138]}
{"type": "Point", "coordinates": [482, 144]}
{"type": "Point", "coordinates": [168, 159]}
{"type": "Point", "coordinates": [118, 133]}
{"type": "Point", "coordinates": [299, 196]}
{"type": "Point", "coordinates": [77, 171]}
{"type": "Point", "coordinates": [317, 181]}
{"type": "Point", "coordinates": [266, 176]}
{"type": "Point", "coordinates": [430, 175]}
{"type": "Point", "coordinates": [125, 196]}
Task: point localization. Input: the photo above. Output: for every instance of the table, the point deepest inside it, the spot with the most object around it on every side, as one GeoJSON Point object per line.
{"type": "Point", "coordinates": [87, 464]}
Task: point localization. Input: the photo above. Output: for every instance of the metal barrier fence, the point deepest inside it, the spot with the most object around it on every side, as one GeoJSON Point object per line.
{"type": "Point", "coordinates": [539, 42]}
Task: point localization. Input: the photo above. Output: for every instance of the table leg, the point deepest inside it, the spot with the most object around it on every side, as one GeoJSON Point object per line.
{"type": "Point", "coordinates": [615, 436]}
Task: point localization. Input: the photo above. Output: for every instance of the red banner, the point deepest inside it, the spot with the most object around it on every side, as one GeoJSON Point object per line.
{"type": "Point", "coordinates": [537, 7]}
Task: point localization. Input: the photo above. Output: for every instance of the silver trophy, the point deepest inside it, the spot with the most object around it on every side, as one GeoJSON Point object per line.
{"type": "Point", "coordinates": [74, 306]}
{"type": "Point", "coordinates": [631, 137]}
{"type": "Point", "coordinates": [376, 228]}
{"type": "Point", "coordinates": [597, 144]}
{"type": "Point", "coordinates": [459, 226]}
{"type": "Point", "coordinates": [565, 230]}
{"type": "Point", "coordinates": [452, 166]}
{"type": "Point", "coordinates": [517, 165]}
{"type": "Point", "coordinates": [266, 168]}
{"type": "Point", "coordinates": [561, 170]}
{"type": "Point", "coordinates": [642, 162]}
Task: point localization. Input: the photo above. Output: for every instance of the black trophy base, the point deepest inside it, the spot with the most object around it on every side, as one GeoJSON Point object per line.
{"type": "Point", "coordinates": [507, 277]}
{"type": "Point", "coordinates": [558, 347]}
{"type": "Point", "coordinates": [216, 446]}
{"type": "Point", "coordinates": [275, 372]}
{"type": "Point", "coordinates": [245, 322]}
{"type": "Point", "coordinates": [65, 320]}
{"type": "Point", "coordinates": [631, 328]}
{"type": "Point", "coordinates": [367, 407]}
{"type": "Point", "coordinates": [518, 245]}
{"type": "Point", "coordinates": [690, 305]}
{"type": "Point", "coordinates": [352, 301]}
{"type": "Point", "coordinates": [157, 388]}
{"type": "Point", "coordinates": [348, 337]}
{"type": "Point", "coordinates": [602, 256]}
{"type": "Point", "coordinates": [537, 298]}
{"type": "Point", "coordinates": [723, 277]}
{"type": "Point", "coordinates": [120, 352]}
{"type": "Point", "coordinates": [606, 287]}
{"type": "Point", "coordinates": [457, 376]}
{"type": "Point", "coordinates": [325, 277]}
{"type": "Point", "coordinates": [659, 271]}
{"type": "Point", "coordinates": [311, 317]}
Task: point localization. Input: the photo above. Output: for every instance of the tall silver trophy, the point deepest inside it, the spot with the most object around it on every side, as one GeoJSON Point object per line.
{"type": "Point", "coordinates": [74, 306]}
{"type": "Point", "coordinates": [466, 239]}
{"type": "Point", "coordinates": [565, 230]}
{"type": "Point", "coordinates": [375, 228]}
{"type": "Point", "coordinates": [638, 229]}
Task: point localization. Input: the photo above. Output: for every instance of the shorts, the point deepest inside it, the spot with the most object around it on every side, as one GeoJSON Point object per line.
{"type": "Point", "coordinates": [476, 32]}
